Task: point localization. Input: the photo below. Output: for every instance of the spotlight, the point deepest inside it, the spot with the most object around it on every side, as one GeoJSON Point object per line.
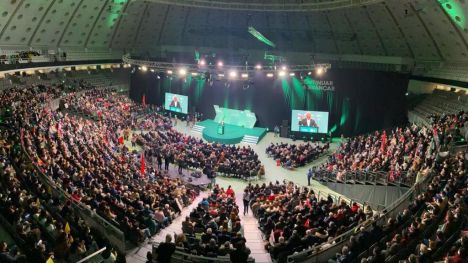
{"type": "Point", "coordinates": [220, 64]}
{"type": "Point", "coordinates": [282, 73]}
{"type": "Point", "coordinates": [232, 74]}
{"type": "Point", "coordinates": [309, 73]}
{"type": "Point", "coordinates": [291, 74]}
{"type": "Point", "coordinates": [194, 74]}
{"type": "Point", "coordinates": [244, 75]}
{"type": "Point", "coordinates": [169, 72]}
{"type": "Point", "coordinates": [319, 71]}
{"type": "Point", "coordinates": [284, 67]}
{"type": "Point", "coordinates": [221, 75]}
{"type": "Point", "coordinates": [152, 70]}
{"type": "Point", "coordinates": [202, 62]}
{"type": "Point", "coordinates": [144, 68]}
{"type": "Point", "coordinates": [258, 67]}
{"type": "Point", "coordinates": [159, 77]}
{"type": "Point", "coordinates": [269, 75]}
{"type": "Point", "coordinates": [182, 72]}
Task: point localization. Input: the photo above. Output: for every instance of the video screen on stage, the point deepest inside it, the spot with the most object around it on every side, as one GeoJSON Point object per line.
{"type": "Point", "coordinates": [309, 121]}
{"type": "Point", "coordinates": [176, 103]}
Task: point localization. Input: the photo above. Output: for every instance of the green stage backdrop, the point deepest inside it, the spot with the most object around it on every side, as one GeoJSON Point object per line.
{"type": "Point", "coordinates": [242, 118]}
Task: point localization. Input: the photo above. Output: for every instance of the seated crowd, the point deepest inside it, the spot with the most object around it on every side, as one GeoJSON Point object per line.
{"type": "Point", "coordinates": [296, 155]}
{"type": "Point", "coordinates": [162, 141]}
{"type": "Point", "coordinates": [405, 151]}
{"type": "Point", "coordinates": [292, 218]}
{"type": "Point", "coordinates": [103, 175]}
{"type": "Point", "coordinates": [39, 224]}
{"type": "Point", "coordinates": [419, 233]}
{"type": "Point", "coordinates": [213, 228]}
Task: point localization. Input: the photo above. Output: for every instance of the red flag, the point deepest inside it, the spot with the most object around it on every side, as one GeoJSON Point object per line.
{"type": "Point", "coordinates": [143, 100]}
{"type": "Point", "coordinates": [383, 141]}
{"type": "Point", "coordinates": [121, 140]}
{"type": "Point", "coordinates": [142, 165]}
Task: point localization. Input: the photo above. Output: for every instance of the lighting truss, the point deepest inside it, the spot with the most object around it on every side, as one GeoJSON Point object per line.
{"type": "Point", "coordinates": [174, 67]}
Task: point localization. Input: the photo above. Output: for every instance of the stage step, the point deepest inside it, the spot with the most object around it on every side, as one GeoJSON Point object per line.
{"type": "Point", "coordinates": [198, 128]}
{"type": "Point", "coordinates": [249, 139]}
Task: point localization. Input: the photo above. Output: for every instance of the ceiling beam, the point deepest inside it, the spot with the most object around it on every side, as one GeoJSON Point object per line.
{"type": "Point", "coordinates": [40, 22]}
{"type": "Point", "coordinates": [140, 22]}
{"type": "Point", "coordinates": [68, 23]}
{"type": "Point", "coordinates": [95, 22]}
{"type": "Point", "coordinates": [400, 30]}
{"type": "Point", "coordinates": [332, 33]}
{"type": "Point", "coordinates": [356, 37]}
{"type": "Point", "coordinates": [11, 18]}
{"type": "Point", "coordinates": [117, 25]}
{"type": "Point", "coordinates": [439, 53]}
{"type": "Point", "coordinates": [376, 31]}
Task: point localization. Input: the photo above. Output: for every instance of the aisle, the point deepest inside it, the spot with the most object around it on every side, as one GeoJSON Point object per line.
{"type": "Point", "coordinates": [139, 254]}
{"type": "Point", "coordinates": [252, 233]}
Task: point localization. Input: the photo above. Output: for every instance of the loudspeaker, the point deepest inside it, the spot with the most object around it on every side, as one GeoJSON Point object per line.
{"type": "Point", "coordinates": [285, 123]}
{"type": "Point", "coordinates": [284, 131]}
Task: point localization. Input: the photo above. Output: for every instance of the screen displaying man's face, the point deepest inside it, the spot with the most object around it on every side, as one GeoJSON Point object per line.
{"type": "Point", "coordinates": [174, 98]}
{"type": "Point", "coordinates": [308, 115]}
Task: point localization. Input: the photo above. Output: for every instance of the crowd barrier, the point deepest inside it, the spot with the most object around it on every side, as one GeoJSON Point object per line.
{"type": "Point", "coordinates": [403, 178]}
{"type": "Point", "coordinates": [321, 254]}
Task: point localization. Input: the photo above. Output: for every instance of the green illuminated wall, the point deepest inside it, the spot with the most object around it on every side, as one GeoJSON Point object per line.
{"type": "Point", "coordinates": [455, 11]}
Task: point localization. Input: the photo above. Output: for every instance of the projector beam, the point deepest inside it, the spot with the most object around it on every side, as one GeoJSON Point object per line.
{"type": "Point", "coordinates": [260, 37]}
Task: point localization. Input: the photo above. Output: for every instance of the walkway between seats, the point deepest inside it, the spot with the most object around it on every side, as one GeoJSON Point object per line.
{"type": "Point", "coordinates": [139, 254]}
{"type": "Point", "coordinates": [252, 233]}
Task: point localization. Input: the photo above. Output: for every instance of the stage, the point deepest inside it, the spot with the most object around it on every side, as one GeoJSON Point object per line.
{"type": "Point", "coordinates": [232, 133]}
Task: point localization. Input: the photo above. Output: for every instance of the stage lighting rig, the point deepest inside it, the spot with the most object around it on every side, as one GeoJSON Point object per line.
{"type": "Point", "coordinates": [182, 72]}
{"type": "Point", "coordinates": [233, 74]}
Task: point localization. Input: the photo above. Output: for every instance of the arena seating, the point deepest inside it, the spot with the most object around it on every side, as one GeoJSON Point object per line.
{"type": "Point", "coordinates": [213, 228]}
{"type": "Point", "coordinates": [293, 218]}
{"type": "Point", "coordinates": [79, 149]}
{"type": "Point", "coordinates": [420, 231]}
{"type": "Point", "coordinates": [439, 103]}
{"type": "Point", "coordinates": [293, 156]}
{"type": "Point", "coordinates": [405, 151]}
{"type": "Point", "coordinates": [39, 223]}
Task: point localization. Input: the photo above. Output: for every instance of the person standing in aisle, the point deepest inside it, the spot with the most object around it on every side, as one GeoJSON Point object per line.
{"type": "Point", "coordinates": [246, 200]}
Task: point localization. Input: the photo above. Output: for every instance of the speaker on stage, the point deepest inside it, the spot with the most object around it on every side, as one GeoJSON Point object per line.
{"type": "Point", "coordinates": [284, 131]}
{"type": "Point", "coordinates": [285, 123]}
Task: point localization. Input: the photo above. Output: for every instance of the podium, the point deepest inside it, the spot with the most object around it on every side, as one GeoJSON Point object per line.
{"type": "Point", "coordinates": [220, 129]}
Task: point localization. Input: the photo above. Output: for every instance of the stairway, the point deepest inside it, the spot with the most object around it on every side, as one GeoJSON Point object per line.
{"type": "Point", "coordinates": [249, 139]}
{"type": "Point", "coordinates": [198, 129]}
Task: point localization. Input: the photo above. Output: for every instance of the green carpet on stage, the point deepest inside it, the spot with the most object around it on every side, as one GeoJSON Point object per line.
{"type": "Point", "coordinates": [232, 134]}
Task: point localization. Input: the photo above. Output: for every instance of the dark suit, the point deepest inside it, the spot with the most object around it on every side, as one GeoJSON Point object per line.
{"type": "Point", "coordinates": [175, 104]}
{"type": "Point", "coordinates": [312, 123]}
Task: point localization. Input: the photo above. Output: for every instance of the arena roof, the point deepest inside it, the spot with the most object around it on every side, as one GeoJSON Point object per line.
{"type": "Point", "coordinates": [426, 30]}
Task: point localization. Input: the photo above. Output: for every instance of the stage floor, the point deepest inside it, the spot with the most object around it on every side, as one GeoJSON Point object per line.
{"type": "Point", "coordinates": [232, 134]}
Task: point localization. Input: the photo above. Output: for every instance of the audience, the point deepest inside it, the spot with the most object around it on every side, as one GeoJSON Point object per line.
{"type": "Point", "coordinates": [213, 227]}
{"type": "Point", "coordinates": [405, 151]}
{"type": "Point", "coordinates": [296, 155]}
{"type": "Point", "coordinates": [429, 221]}
{"type": "Point", "coordinates": [292, 218]}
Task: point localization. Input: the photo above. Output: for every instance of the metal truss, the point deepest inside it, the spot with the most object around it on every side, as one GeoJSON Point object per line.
{"type": "Point", "coordinates": [165, 66]}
